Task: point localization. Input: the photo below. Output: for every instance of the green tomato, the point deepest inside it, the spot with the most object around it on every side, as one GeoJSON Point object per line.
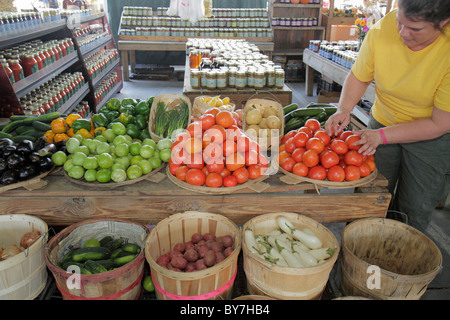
{"type": "Point", "coordinates": [165, 155]}
{"type": "Point", "coordinates": [134, 172]}
{"type": "Point", "coordinates": [118, 175]}
{"type": "Point", "coordinates": [165, 143]}
{"type": "Point", "coordinates": [103, 175]}
{"type": "Point", "coordinates": [59, 158]}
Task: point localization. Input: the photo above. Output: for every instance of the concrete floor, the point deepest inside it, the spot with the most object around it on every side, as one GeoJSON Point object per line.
{"type": "Point", "coordinates": [438, 231]}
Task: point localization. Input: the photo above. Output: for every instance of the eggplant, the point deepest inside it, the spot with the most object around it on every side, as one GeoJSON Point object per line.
{"type": "Point", "coordinates": [9, 176]}
{"type": "Point", "coordinates": [28, 171]}
{"type": "Point", "coordinates": [15, 161]}
{"type": "Point", "coordinates": [45, 164]}
{"type": "Point", "coordinates": [25, 147]}
{"type": "Point", "coordinates": [34, 157]}
{"type": "Point", "coordinates": [9, 150]}
{"type": "Point", "coordinates": [48, 150]}
{"type": "Point", "coordinates": [3, 164]}
{"type": "Point", "coordinates": [4, 142]}
{"type": "Point", "coordinates": [39, 144]}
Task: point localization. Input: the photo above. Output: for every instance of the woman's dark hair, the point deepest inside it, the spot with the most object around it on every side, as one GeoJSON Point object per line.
{"type": "Point", "coordinates": [434, 11]}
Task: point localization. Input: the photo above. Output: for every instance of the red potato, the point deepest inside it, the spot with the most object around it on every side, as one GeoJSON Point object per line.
{"type": "Point", "coordinates": [227, 241]}
{"type": "Point", "coordinates": [209, 236]}
{"type": "Point", "coordinates": [196, 237]}
{"type": "Point", "coordinates": [216, 246]}
{"type": "Point", "coordinates": [179, 262]}
{"type": "Point", "coordinates": [163, 260]}
{"type": "Point", "coordinates": [228, 252]}
{"type": "Point", "coordinates": [209, 243]}
{"type": "Point", "coordinates": [191, 255]}
{"type": "Point", "coordinates": [180, 247]}
{"type": "Point", "coordinates": [201, 242]}
{"type": "Point", "coordinates": [173, 254]}
{"type": "Point", "coordinates": [190, 267]}
{"type": "Point", "coordinates": [188, 245]}
{"type": "Point", "coordinates": [202, 251]}
{"type": "Point", "coordinates": [219, 257]}
{"type": "Point", "coordinates": [210, 258]}
{"type": "Point", "coordinates": [172, 268]}
{"type": "Point", "coordinates": [200, 264]}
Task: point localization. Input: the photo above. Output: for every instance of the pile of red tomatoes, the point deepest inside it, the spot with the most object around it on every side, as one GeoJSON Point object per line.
{"type": "Point", "coordinates": [310, 152]}
{"type": "Point", "coordinates": [214, 152]}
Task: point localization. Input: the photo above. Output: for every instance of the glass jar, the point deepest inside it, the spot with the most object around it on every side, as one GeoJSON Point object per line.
{"type": "Point", "coordinates": [232, 77]}
{"type": "Point", "coordinates": [211, 80]}
{"type": "Point", "coordinates": [251, 77]}
{"type": "Point", "coordinates": [203, 79]}
{"type": "Point", "coordinates": [270, 77]}
{"type": "Point", "coordinates": [279, 79]}
{"type": "Point", "coordinates": [17, 70]}
{"type": "Point", "coordinates": [194, 59]}
{"type": "Point", "coordinates": [195, 78]}
{"type": "Point", "coordinates": [222, 80]}
{"type": "Point", "coordinates": [259, 79]}
{"type": "Point", "coordinates": [8, 71]}
{"type": "Point", "coordinates": [30, 65]}
{"type": "Point", "coordinates": [241, 79]}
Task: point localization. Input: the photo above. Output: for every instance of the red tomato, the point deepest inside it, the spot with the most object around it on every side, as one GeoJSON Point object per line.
{"type": "Point", "coordinates": [307, 130]}
{"type": "Point", "coordinates": [300, 169]}
{"type": "Point", "coordinates": [213, 111]}
{"type": "Point", "coordinates": [179, 155]}
{"type": "Point", "coordinates": [289, 146]}
{"type": "Point", "coordinates": [195, 177]}
{"type": "Point", "coordinates": [213, 151]}
{"type": "Point", "coordinates": [230, 181]}
{"type": "Point", "coordinates": [254, 171]}
{"type": "Point", "coordinates": [195, 160]}
{"type": "Point", "coordinates": [288, 135]}
{"type": "Point", "coordinates": [173, 166]}
{"type": "Point", "coordinates": [352, 173]}
{"type": "Point", "coordinates": [241, 174]}
{"type": "Point", "coordinates": [207, 120]}
{"type": "Point", "coordinates": [215, 167]}
{"type": "Point", "coordinates": [339, 146]}
{"type": "Point", "coordinates": [235, 161]}
{"type": "Point", "coordinates": [328, 159]}
{"type": "Point", "coordinates": [225, 172]}
{"type": "Point", "coordinates": [251, 157]}
{"type": "Point", "coordinates": [353, 158]}
{"type": "Point", "coordinates": [229, 147]}
{"type": "Point", "coordinates": [344, 134]}
{"type": "Point", "coordinates": [364, 170]}
{"type": "Point", "coordinates": [297, 154]}
{"type": "Point", "coordinates": [205, 171]}
{"type": "Point", "coordinates": [182, 137]}
{"type": "Point", "coordinates": [263, 161]}
{"type": "Point", "coordinates": [300, 139]}
{"type": "Point", "coordinates": [322, 135]}
{"type": "Point", "coordinates": [215, 133]}
{"type": "Point", "coordinates": [195, 129]}
{"type": "Point", "coordinates": [242, 144]}
{"type": "Point", "coordinates": [350, 141]}
{"type": "Point", "coordinates": [336, 174]}
{"type": "Point", "coordinates": [213, 180]}
{"type": "Point", "coordinates": [313, 124]}
{"type": "Point", "coordinates": [288, 164]}
{"type": "Point", "coordinates": [232, 133]}
{"type": "Point", "coordinates": [317, 172]}
{"type": "Point", "coordinates": [225, 118]}
{"type": "Point", "coordinates": [180, 173]}
{"type": "Point", "coordinates": [310, 158]}
{"type": "Point", "coordinates": [315, 144]}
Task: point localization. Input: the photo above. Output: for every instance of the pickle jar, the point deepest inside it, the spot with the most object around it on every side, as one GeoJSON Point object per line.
{"type": "Point", "coordinates": [270, 77]}
{"type": "Point", "coordinates": [259, 79]}
{"type": "Point", "coordinates": [279, 79]}
{"type": "Point", "coordinates": [195, 79]}
{"type": "Point", "coordinates": [221, 82]}
{"type": "Point", "coordinates": [241, 79]}
{"type": "Point", "coordinates": [211, 80]}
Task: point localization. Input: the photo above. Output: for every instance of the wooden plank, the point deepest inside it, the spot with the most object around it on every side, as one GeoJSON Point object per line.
{"type": "Point", "coordinates": [184, 39]}
{"type": "Point", "coordinates": [62, 202]}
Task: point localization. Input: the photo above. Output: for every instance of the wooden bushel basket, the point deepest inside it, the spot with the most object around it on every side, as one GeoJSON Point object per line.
{"type": "Point", "coordinates": [199, 107]}
{"type": "Point", "coordinates": [23, 276]}
{"type": "Point", "coordinates": [407, 260]}
{"type": "Point", "coordinates": [123, 283]}
{"type": "Point", "coordinates": [213, 283]}
{"type": "Point", "coordinates": [285, 283]}
{"type": "Point", "coordinates": [171, 100]}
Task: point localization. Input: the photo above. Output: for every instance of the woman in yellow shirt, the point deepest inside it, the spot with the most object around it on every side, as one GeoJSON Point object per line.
{"type": "Point", "coordinates": [407, 55]}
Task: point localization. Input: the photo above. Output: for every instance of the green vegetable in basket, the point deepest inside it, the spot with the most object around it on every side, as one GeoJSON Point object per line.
{"type": "Point", "coordinates": [113, 104]}
{"type": "Point", "coordinates": [142, 108]}
{"type": "Point", "coordinates": [161, 119]}
{"type": "Point", "coordinates": [99, 120]}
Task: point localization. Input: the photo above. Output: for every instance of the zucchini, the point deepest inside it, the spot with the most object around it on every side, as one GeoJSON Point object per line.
{"type": "Point", "coordinates": [330, 110]}
{"type": "Point", "coordinates": [94, 267]}
{"type": "Point", "coordinates": [294, 124]}
{"type": "Point", "coordinates": [319, 105]}
{"type": "Point", "coordinates": [289, 108]}
{"type": "Point", "coordinates": [15, 117]}
{"type": "Point", "coordinates": [83, 269]}
{"type": "Point", "coordinates": [105, 240]}
{"type": "Point", "coordinates": [48, 117]}
{"type": "Point", "coordinates": [303, 112]}
{"type": "Point", "coordinates": [131, 247]}
{"type": "Point", "coordinates": [41, 126]}
{"type": "Point", "coordinates": [18, 139]}
{"type": "Point", "coordinates": [114, 244]}
{"type": "Point", "coordinates": [5, 135]}
{"type": "Point", "coordinates": [120, 261]}
{"type": "Point", "coordinates": [92, 253]}
{"type": "Point", "coordinates": [12, 125]}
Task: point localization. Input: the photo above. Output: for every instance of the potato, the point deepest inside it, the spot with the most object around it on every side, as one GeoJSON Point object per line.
{"type": "Point", "coordinates": [216, 246]}
{"type": "Point", "coordinates": [196, 237]}
{"type": "Point", "coordinates": [219, 257]}
{"type": "Point", "coordinates": [209, 236]}
{"type": "Point", "coordinates": [228, 251]}
{"type": "Point", "coordinates": [188, 245]}
{"type": "Point", "coordinates": [210, 258]}
{"type": "Point", "coordinates": [200, 264]}
{"type": "Point", "coordinates": [179, 262]}
{"type": "Point", "coordinates": [269, 111]}
{"type": "Point", "coordinates": [227, 241]}
{"type": "Point", "coordinates": [190, 267]}
{"type": "Point", "coordinates": [253, 116]}
{"type": "Point", "coordinates": [180, 247]}
{"type": "Point", "coordinates": [202, 251]}
{"type": "Point", "coordinates": [163, 260]}
{"type": "Point", "coordinates": [273, 122]}
{"type": "Point", "coordinates": [191, 255]}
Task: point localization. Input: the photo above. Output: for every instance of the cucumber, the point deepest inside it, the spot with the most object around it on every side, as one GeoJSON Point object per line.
{"type": "Point", "coordinates": [5, 135]}
{"type": "Point", "coordinates": [131, 247]}
{"type": "Point", "coordinates": [120, 261]}
{"type": "Point", "coordinates": [107, 263]}
{"type": "Point", "coordinates": [94, 267]}
{"type": "Point", "coordinates": [92, 253]}
{"type": "Point", "coordinates": [83, 269]}
{"type": "Point", "coordinates": [48, 117]}
{"type": "Point", "coordinates": [18, 139]}
{"type": "Point", "coordinates": [290, 107]}
{"type": "Point", "coordinates": [68, 256]}
{"type": "Point", "coordinates": [41, 126]}
{"type": "Point", "coordinates": [320, 105]}
{"type": "Point", "coordinates": [116, 253]}
{"type": "Point", "coordinates": [330, 110]}
{"type": "Point", "coordinates": [20, 117]}
{"type": "Point", "coordinates": [12, 125]}
{"type": "Point", "coordinates": [294, 124]}
{"type": "Point", "coordinates": [105, 240]}
{"type": "Point", "coordinates": [303, 112]}
{"type": "Point", "coordinates": [29, 131]}
{"type": "Point", "coordinates": [114, 244]}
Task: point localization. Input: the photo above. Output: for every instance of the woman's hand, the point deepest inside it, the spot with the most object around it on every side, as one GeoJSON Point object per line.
{"type": "Point", "coordinates": [337, 122]}
{"type": "Point", "coordinates": [370, 140]}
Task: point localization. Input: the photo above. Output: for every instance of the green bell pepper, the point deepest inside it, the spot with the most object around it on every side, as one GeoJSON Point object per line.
{"type": "Point", "coordinates": [113, 104]}
{"type": "Point", "coordinates": [142, 108]}
{"type": "Point", "coordinates": [141, 121]}
{"type": "Point", "coordinates": [128, 101]}
{"type": "Point", "coordinates": [81, 124]}
{"type": "Point", "coordinates": [128, 109]}
{"type": "Point", "coordinates": [133, 131]}
{"type": "Point", "coordinates": [145, 134]}
{"type": "Point", "coordinates": [126, 119]}
{"type": "Point", "coordinates": [99, 120]}
{"type": "Point", "coordinates": [111, 115]}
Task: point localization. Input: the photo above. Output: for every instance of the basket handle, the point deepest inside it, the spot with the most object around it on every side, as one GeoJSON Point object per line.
{"type": "Point", "coordinates": [260, 92]}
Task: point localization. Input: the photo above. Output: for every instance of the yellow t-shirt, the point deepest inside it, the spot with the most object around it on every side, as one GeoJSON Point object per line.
{"type": "Point", "coordinates": [407, 83]}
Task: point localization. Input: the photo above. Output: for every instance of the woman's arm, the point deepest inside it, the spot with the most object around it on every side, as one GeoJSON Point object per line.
{"type": "Point", "coordinates": [419, 130]}
{"type": "Point", "coordinates": [352, 92]}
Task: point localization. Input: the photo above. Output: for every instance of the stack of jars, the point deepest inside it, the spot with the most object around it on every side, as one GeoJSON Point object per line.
{"type": "Point", "coordinates": [31, 57]}
{"type": "Point", "coordinates": [91, 38]}
{"type": "Point", "coordinates": [51, 95]}
{"type": "Point", "coordinates": [17, 22]}
{"type": "Point", "coordinates": [99, 61]}
{"type": "Point", "coordinates": [105, 87]}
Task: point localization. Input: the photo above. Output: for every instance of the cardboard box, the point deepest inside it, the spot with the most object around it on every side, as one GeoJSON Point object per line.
{"type": "Point", "coordinates": [328, 97]}
{"type": "Point", "coordinates": [343, 32]}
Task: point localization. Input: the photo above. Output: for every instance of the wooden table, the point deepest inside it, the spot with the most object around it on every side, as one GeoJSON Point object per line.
{"type": "Point", "coordinates": [62, 202]}
{"type": "Point", "coordinates": [128, 50]}
{"type": "Point", "coordinates": [330, 69]}
{"type": "Point", "coordinates": [239, 97]}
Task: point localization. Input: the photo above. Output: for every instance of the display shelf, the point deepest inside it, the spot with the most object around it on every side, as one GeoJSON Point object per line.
{"type": "Point", "coordinates": [109, 96]}
{"type": "Point", "coordinates": [8, 40]}
{"type": "Point", "coordinates": [75, 99]}
{"type": "Point", "coordinates": [24, 86]}
{"type": "Point", "coordinates": [98, 79]}
{"type": "Point", "coordinates": [95, 46]}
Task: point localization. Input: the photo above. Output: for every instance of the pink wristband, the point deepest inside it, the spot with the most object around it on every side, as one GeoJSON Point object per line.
{"type": "Point", "coordinates": [383, 137]}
